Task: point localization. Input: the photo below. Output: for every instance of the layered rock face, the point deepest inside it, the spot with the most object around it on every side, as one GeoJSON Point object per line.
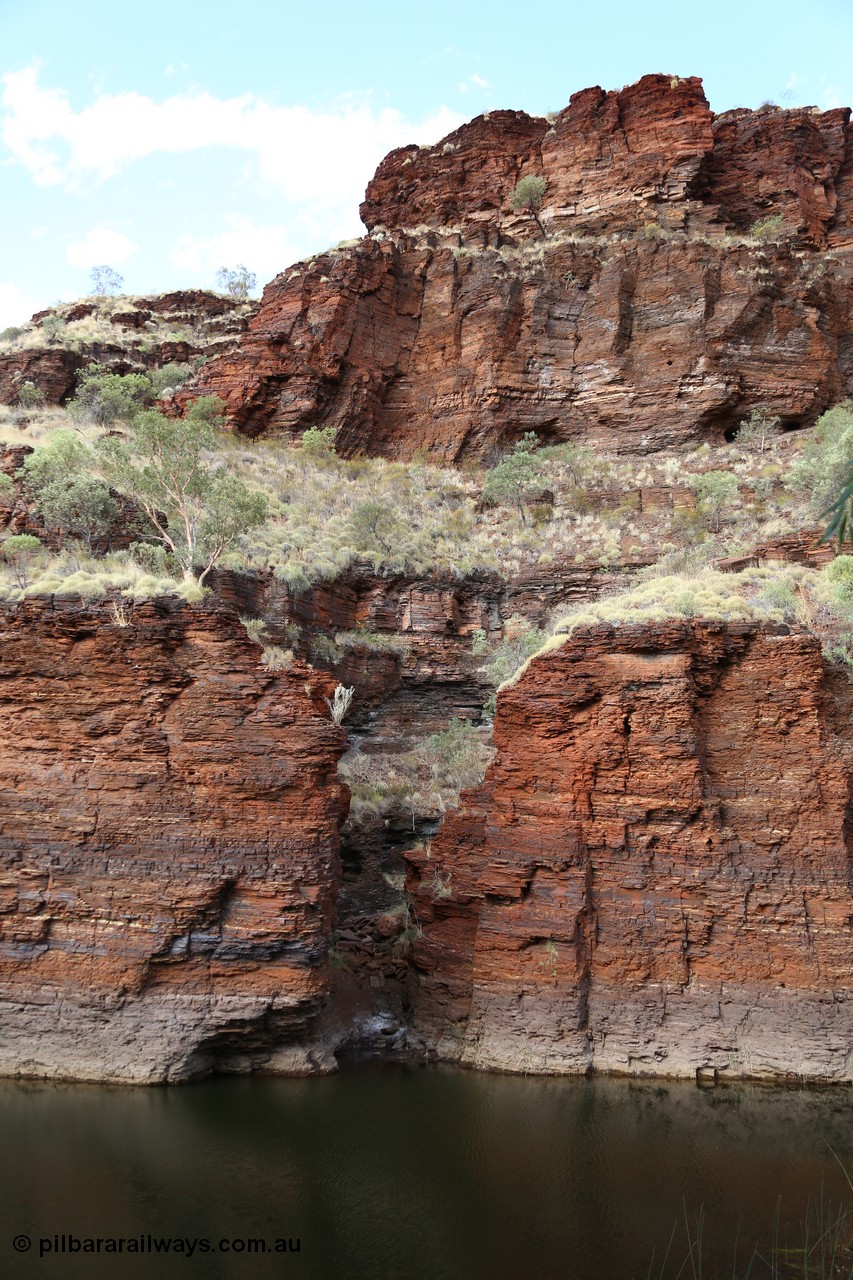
{"type": "Point", "coordinates": [137, 334]}
{"type": "Point", "coordinates": [169, 816]}
{"type": "Point", "coordinates": [645, 317]}
{"type": "Point", "coordinates": [655, 877]}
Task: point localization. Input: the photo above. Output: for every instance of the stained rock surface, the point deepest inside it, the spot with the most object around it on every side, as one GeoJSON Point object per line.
{"type": "Point", "coordinates": [645, 316]}
{"type": "Point", "coordinates": [654, 877]}
{"type": "Point", "coordinates": [169, 817]}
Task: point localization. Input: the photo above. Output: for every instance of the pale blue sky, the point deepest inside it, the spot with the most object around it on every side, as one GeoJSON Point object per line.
{"type": "Point", "coordinates": [167, 139]}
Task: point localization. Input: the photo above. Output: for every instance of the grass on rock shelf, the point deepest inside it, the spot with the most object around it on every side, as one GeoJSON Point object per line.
{"type": "Point", "coordinates": [326, 513]}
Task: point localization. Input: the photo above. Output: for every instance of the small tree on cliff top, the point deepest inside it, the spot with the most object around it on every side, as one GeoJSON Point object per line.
{"type": "Point", "coordinates": [105, 281]}
{"type": "Point", "coordinates": [238, 282]}
{"type": "Point", "coordinates": [528, 196]}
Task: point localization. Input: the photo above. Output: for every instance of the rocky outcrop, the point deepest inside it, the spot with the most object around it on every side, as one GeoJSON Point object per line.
{"type": "Point", "coordinates": [124, 335]}
{"type": "Point", "coordinates": [169, 816]}
{"type": "Point", "coordinates": [655, 876]}
{"type": "Point", "coordinates": [645, 317]}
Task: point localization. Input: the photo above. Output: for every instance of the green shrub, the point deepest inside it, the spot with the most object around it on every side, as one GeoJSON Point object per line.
{"type": "Point", "coordinates": [318, 444]}
{"type": "Point", "coordinates": [756, 431]}
{"type": "Point", "coordinates": [767, 228]}
{"type": "Point", "coordinates": [153, 557]}
{"type": "Point", "coordinates": [821, 470]}
{"type": "Point", "coordinates": [716, 491]}
{"type": "Point", "coordinates": [516, 479]}
{"type": "Point", "coordinates": [107, 398]}
{"type": "Point", "coordinates": [527, 197]}
{"type": "Point", "coordinates": [207, 410]}
{"type": "Point", "coordinates": [71, 500]}
{"type": "Point", "coordinates": [779, 596]}
{"type": "Point", "coordinates": [30, 396]}
{"type": "Point", "coordinates": [11, 333]}
{"type": "Point", "coordinates": [520, 640]}
{"type": "Point", "coordinates": [172, 375]}
{"type": "Point", "coordinates": [839, 572]}
{"type": "Point", "coordinates": [80, 508]}
{"type": "Point", "coordinates": [22, 552]}
{"type": "Point", "coordinates": [54, 329]}
{"type": "Point", "coordinates": [375, 528]}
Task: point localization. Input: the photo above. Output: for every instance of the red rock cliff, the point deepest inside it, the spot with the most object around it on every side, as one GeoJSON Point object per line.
{"type": "Point", "coordinates": [655, 876]}
{"type": "Point", "coordinates": [169, 813]}
{"type": "Point", "coordinates": [643, 316]}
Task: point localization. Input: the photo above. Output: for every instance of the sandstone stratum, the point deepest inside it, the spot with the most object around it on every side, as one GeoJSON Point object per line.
{"type": "Point", "coordinates": [638, 860]}
{"type": "Point", "coordinates": [169, 826]}
{"type": "Point", "coordinates": [655, 875]}
{"type": "Point", "coordinates": [656, 309]}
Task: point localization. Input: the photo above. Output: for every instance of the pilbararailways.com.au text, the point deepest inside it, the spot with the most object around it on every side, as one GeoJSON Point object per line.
{"type": "Point", "coordinates": [57, 1245]}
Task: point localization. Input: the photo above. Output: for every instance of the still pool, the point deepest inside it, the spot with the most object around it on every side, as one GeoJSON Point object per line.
{"type": "Point", "coordinates": [413, 1173]}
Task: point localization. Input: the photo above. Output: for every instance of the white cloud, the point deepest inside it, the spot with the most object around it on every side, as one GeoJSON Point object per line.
{"type": "Point", "coordinates": [477, 81]}
{"type": "Point", "coordinates": [264, 250]}
{"type": "Point", "coordinates": [100, 245]}
{"type": "Point", "coordinates": [308, 155]}
{"type": "Point", "coordinates": [832, 97]}
{"type": "Point", "coordinates": [16, 306]}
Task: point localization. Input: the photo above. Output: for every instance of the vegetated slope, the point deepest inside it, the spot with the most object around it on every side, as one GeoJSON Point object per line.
{"type": "Point", "coordinates": [692, 267]}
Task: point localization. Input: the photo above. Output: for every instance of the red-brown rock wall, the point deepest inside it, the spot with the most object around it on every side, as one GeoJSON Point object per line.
{"type": "Point", "coordinates": [169, 816]}
{"type": "Point", "coordinates": [636, 319]}
{"type": "Point", "coordinates": [655, 876]}
{"type": "Point", "coordinates": [642, 344]}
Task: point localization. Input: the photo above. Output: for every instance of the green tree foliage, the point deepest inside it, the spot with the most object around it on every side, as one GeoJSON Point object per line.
{"type": "Point", "coordinates": [54, 329]}
{"type": "Point", "coordinates": [197, 511]}
{"type": "Point", "coordinates": [30, 397]}
{"type": "Point", "coordinates": [172, 375]}
{"type": "Point", "coordinates": [756, 431]}
{"type": "Point", "coordinates": [374, 528]}
{"type": "Point", "coordinates": [208, 410]}
{"type": "Point", "coordinates": [72, 501]}
{"type": "Point", "coordinates": [105, 281]}
{"type": "Point", "coordinates": [516, 479]}
{"type": "Point", "coordinates": [715, 491]}
{"type": "Point", "coordinates": [318, 444]}
{"type": "Point", "coordinates": [527, 197]}
{"type": "Point", "coordinates": [107, 398]}
{"type": "Point", "coordinates": [238, 282]}
{"type": "Point", "coordinates": [22, 551]}
{"type": "Point", "coordinates": [767, 228]}
{"type": "Point", "coordinates": [824, 471]}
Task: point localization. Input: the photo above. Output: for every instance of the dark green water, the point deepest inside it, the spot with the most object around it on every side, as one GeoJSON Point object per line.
{"type": "Point", "coordinates": [412, 1173]}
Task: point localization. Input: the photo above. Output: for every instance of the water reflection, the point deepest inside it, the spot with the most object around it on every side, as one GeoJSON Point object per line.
{"type": "Point", "coordinates": [428, 1174]}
